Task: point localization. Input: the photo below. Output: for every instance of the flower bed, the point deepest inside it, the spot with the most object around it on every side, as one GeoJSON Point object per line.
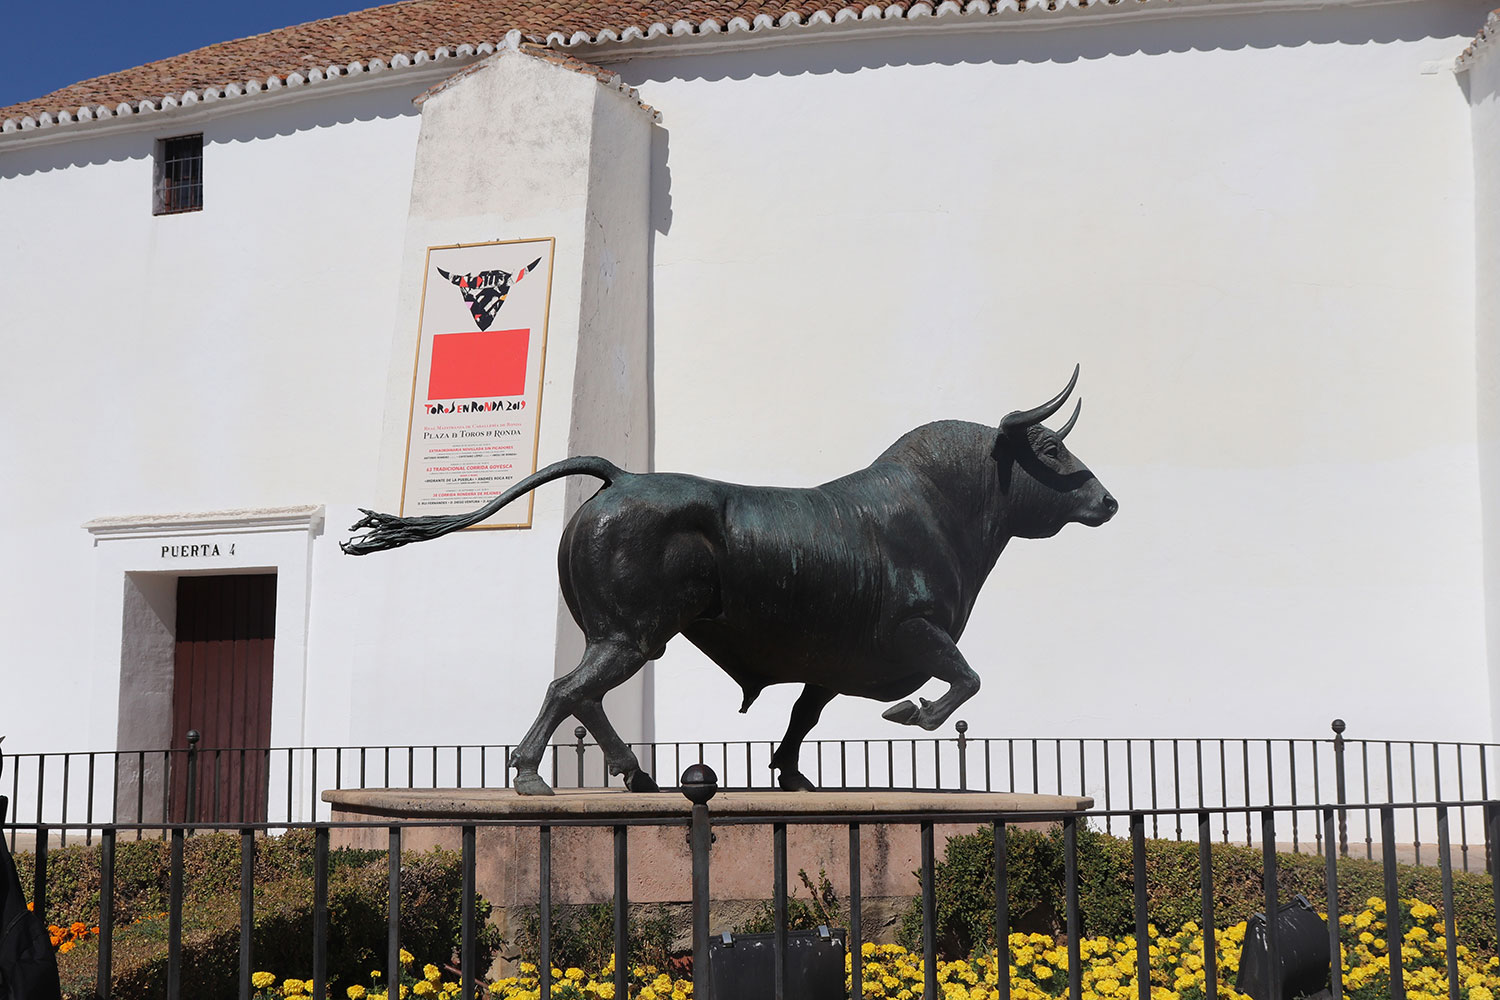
{"type": "Point", "coordinates": [1038, 969]}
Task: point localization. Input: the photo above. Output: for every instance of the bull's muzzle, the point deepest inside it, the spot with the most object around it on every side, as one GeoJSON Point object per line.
{"type": "Point", "coordinates": [1100, 512]}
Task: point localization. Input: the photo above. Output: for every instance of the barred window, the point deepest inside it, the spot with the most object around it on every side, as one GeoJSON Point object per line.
{"type": "Point", "coordinates": [179, 175]}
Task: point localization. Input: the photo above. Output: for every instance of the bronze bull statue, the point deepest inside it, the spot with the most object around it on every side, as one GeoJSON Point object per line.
{"type": "Point", "coordinates": [861, 586]}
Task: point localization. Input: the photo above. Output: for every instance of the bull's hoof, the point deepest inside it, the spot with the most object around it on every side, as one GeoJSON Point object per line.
{"type": "Point", "coordinates": [640, 781]}
{"type": "Point", "coordinates": [904, 713]}
{"type": "Point", "coordinates": [531, 783]}
{"type": "Point", "coordinates": [908, 714]}
{"type": "Point", "coordinates": [793, 780]}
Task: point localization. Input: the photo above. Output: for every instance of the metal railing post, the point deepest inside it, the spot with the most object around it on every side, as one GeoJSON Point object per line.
{"type": "Point", "coordinates": [105, 983]}
{"type": "Point", "coordinates": [191, 808]}
{"type": "Point", "coordinates": [699, 783]}
{"type": "Point", "coordinates": [963, 755]}
{"type": "Point", "coordinates": [39, 876]}
{"type": "Point", "coordinates": [1338, 770]}
{"type": "Point", "coordinates": [578, 734]}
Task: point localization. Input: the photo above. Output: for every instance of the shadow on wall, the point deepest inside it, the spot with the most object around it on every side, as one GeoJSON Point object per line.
{"type": "Point", "coordinates": [661, 222]}
{"type": "Point", "coordinates": [1094, 33]}
{"type": "Point", "coordinates": [254, 118]}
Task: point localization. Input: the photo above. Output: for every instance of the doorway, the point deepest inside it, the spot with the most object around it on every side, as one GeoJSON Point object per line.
{"type": "Point", "coordinates": [221, 687]}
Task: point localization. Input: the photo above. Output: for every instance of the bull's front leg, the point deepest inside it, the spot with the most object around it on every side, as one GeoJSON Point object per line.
{"type": "Point", "coordinates": [931, 650]}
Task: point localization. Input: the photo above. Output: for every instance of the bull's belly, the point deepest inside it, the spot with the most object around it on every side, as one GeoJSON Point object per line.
{"type": "Point", "coordinates": [758, 654]}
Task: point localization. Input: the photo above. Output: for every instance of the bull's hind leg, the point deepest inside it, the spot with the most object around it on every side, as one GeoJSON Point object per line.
{"type": "Point", "coordinates": [605, 666]}
{"type": "Point", "coordinates": [617, 753]}
{"type": "Point", "coordinates": [929, 650]}
{"type": "Point", "coordinates": [805, 715]}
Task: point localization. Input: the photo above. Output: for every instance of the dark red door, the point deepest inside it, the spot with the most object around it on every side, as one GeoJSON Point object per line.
{"type": "Point", "coordinates": [226, 627]}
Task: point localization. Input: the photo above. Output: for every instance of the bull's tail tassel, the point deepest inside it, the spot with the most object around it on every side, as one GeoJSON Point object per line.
{"type": "Point", "coordinates": [387, 531]}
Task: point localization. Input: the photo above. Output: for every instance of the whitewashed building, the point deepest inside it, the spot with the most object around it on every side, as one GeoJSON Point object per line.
{"type": "Point", "coordinates": [775, 237]}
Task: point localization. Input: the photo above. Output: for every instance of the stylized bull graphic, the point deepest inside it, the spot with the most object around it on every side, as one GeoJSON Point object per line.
{"type": "Point", "coordinates": [485, 292]}
{"type": "Point", "coordinates": [861, 586]}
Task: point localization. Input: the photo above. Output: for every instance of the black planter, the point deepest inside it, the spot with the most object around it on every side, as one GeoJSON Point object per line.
{"type": "Point", "coordinates": [743, 967]}
{"type": "Point", "coordinates": [1301, 946]}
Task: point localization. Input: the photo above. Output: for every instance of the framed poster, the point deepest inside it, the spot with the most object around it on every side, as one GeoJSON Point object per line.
{"type": "Point", "coordinates": [477, 385]}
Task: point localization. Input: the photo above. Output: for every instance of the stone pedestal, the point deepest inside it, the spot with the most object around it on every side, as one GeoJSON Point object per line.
{"type": "Point", "coordinates": [660, 864]}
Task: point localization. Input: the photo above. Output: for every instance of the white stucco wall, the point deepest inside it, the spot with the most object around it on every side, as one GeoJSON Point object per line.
{"type": "Point", "coordinates": [1254, 230]}
{"type": "Point", "coordinates": [229, 358]}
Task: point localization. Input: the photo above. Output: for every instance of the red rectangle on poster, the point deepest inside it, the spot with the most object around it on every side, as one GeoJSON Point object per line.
{"type": "Point", "coordinates": [478, 364]}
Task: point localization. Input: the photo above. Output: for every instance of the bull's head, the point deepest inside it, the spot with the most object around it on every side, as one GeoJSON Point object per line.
{"type": "Point", "coordinates": [1047, 486]}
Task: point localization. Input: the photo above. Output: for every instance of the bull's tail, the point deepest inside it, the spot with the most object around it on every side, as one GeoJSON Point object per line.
{"type": "Point", "coordinates": [387, 531]}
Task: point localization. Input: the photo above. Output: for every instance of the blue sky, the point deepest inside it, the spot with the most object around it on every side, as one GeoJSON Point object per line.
{"type": "Point", "coordinates": [49, 44]}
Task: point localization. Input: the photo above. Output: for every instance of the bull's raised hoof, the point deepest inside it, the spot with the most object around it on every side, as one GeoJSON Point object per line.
{"type": "Point", "coordinates": [531, 783]}
{"type": "Point", "coordinates": [907, 714]}
{"type": "Point", "coordinates": [792, 780]}
{"type": "Point", "coordinates": [640, 781]}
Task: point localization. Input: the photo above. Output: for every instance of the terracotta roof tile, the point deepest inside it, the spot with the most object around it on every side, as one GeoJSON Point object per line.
{"type": "Point", "coordinates": [413, 31]}
{"type": "Point", "coordinates": [381, 32]}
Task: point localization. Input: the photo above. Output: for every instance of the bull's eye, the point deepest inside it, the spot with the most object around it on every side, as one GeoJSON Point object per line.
{"type": "Point", "coordinates": [1049, 450]}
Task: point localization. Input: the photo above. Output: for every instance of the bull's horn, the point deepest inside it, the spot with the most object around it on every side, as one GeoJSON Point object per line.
{"type": "Point", "coordinates": [1071, 421]}
{"type": "Point", "coordinates": [1022, 419]}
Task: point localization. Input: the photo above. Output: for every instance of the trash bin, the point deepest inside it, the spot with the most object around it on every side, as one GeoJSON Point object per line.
{"type": "Point", "coordinates": [743, 966]}
{"type": "Point", "coordinates": [1301, 946]}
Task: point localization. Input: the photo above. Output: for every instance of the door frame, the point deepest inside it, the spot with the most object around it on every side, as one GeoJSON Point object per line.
{"type": "Point", "coordinates": [138, 561]}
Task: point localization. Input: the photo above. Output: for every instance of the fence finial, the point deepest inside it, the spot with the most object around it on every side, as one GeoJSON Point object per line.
{"type": "Point", "coordinates": [699, 783]}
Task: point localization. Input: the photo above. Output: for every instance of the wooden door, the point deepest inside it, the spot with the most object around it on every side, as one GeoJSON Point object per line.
{"type": "Point", "coordinates": [226, 628]}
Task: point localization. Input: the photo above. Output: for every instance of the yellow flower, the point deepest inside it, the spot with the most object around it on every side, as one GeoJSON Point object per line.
{"type": "Point", "coordinates": [261, 980]}
{"type": "Point", "coordinates": [356, 992]}
{"type": "Point", "coordinates": [293, 988]}
{"type": "Point", "coordinates": [407, 957]}
{"type": "Point", "coordinates": [424, 989]}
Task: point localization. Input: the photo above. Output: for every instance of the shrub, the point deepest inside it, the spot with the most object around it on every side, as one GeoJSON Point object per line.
{"type": "Point", "coordinates": [431, 897]}
{"type": "Point", "coordinates": [583, 936]}
{"type": "Point", "coordinates": [822, 908]}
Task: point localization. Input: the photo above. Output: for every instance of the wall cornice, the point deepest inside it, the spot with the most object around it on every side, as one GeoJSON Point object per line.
{"type": "Point", "coordinates": [305, 517]}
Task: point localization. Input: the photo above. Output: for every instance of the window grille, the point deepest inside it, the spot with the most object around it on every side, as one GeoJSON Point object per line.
{"type": "Point", "coordinates": [179, 175]}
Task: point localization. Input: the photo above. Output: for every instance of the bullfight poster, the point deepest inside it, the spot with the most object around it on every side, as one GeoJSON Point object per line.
{"type": "Point", "coordinates": [477, 388]}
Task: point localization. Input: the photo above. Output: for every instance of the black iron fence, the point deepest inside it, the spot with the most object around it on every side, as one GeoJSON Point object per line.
{"type": "Point", "coordinates": [1204, 823]}
{"type": "Point", "coordinates": [1162, 776]}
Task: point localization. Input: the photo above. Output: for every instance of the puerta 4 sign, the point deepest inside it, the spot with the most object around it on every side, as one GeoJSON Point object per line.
{"type": "Point", "coordinates": [861, 586]}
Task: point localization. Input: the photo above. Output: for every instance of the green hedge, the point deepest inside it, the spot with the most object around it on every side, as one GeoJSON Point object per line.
{"type": "Point", "coordinates": [965, 883]}
{"type": "Point", "coordinates": [358, 884]}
